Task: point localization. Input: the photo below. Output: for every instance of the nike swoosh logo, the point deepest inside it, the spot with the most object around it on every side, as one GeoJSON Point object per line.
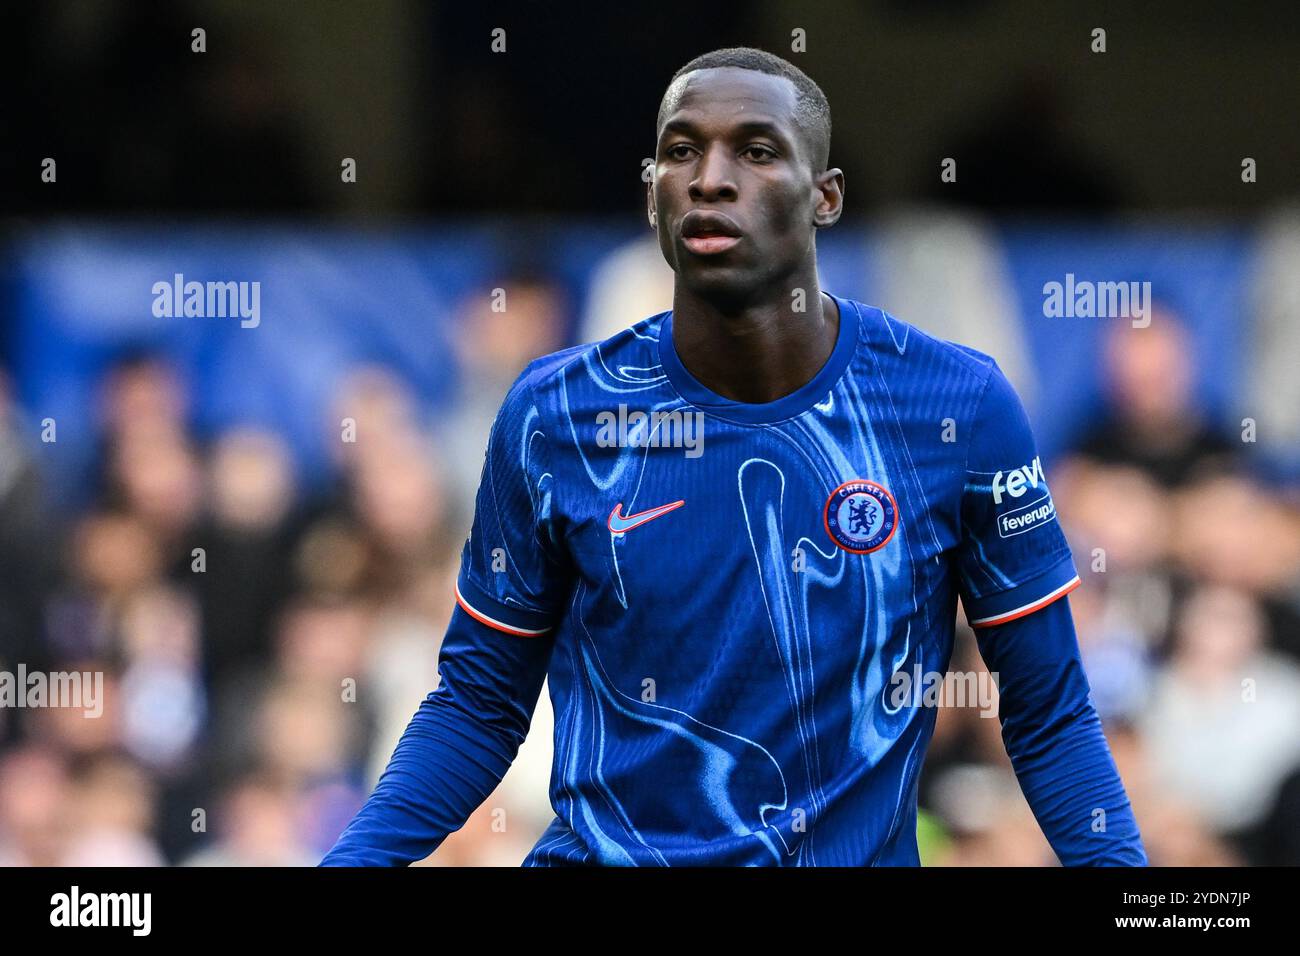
{"type": "Point", "coordinates": [620, 523]}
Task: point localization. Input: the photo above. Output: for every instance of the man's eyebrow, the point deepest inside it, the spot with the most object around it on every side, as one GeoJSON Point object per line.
{"type": "Point", "coordinates": [677, 126]}
{"type": "Point", "coordinates": [750, 127]}
{"type": "Point", "coordinates": [761, 128]}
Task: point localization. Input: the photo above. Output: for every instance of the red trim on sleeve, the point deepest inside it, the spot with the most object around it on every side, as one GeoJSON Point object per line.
{"type": "Point", "coordinates": [1019, 612]}
{"type": "Point", "coordinates": [493, 622]}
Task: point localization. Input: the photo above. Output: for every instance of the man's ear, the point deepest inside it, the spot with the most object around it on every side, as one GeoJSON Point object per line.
{"type": "Point", "coordinates": [830, 206]}
{"type": "Point", "coordinates": [651, 213]}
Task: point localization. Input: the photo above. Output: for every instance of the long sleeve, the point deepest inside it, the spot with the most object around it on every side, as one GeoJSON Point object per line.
{"type": "Point", "coordinates": [1054, 738]}
{"type": "Point", "coordinates": [1015, 569]}
{"type": "Point", "coordinates": [513, 581]}
{"type": "Point", "coordinates": [456, 749]}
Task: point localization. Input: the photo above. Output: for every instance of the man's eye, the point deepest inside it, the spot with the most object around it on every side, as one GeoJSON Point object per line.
{"type": "Point", "coordinates": [760, 153]}
{"type": "Point", "coordinates": [678, 151]}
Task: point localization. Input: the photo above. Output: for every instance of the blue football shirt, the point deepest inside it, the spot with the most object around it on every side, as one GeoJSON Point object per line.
{"type": "Point", "coordinates": [731, 588]}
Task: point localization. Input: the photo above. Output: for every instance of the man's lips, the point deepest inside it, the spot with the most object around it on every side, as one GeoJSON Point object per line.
{"type": "Point", "coordinates": [708, 233]}
{"type": "Point", "coordinates": [710, 245]}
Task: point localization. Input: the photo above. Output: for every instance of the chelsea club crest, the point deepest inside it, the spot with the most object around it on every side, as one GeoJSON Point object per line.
{"type": "Point", "coordinates": [861, 516]}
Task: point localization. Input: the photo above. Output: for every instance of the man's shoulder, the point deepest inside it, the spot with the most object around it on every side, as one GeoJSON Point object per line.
{"type": "Point", "coordinates": [633, 348]}
{"type": "Point", "coordinates": [908, 351]}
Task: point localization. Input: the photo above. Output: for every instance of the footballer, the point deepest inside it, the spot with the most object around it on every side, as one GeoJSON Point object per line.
{"type": "Point", "coordinates": [722, 624]}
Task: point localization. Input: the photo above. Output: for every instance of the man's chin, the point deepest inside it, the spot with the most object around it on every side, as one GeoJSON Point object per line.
{"type": "Point", "coordinates": [717, 282]}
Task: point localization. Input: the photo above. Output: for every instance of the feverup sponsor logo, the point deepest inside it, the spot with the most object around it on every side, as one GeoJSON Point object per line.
{"type": "Point", "coordinates": [1019, 481]}
{"type": "Point", "coordinates": [1033, 515]}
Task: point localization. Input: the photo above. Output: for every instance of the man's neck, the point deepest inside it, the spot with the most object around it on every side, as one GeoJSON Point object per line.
{"type": "Point", "coordinates": [759, 353]}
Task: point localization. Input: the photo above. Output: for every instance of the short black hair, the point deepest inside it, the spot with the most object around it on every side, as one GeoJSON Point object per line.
{"type": "Point", "coordinates": [811, 110]}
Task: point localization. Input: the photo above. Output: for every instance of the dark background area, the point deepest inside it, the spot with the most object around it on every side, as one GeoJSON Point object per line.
{"type": "Point", "coordinates": [439, 123]}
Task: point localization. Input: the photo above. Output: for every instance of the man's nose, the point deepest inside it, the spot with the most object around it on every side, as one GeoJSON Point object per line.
{"type": "Point", "coordinates": [713, 177]}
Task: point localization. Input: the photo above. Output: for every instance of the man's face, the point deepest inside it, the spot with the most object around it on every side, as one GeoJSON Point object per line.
{"type": "Point", "coordinates": [734, 197]}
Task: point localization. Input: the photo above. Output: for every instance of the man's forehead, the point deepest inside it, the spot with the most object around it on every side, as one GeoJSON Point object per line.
{"type": "Point", "coordinates": [734, 90]}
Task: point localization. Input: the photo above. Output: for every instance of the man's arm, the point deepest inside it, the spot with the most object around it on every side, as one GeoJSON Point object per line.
{"type": "Point", "coordinates": [1015, 570]}
{"type": "Point", "coordinates": [513, 580]}
{"type": "Point", "coordinates": [455, 750]}
{"type": "Point", "coordinates": [1054, 738]}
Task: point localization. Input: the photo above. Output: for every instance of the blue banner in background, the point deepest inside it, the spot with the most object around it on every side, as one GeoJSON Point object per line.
{"type": "Point", "coordinates": [1198, 274]}
{"type": "Point", "coordinates": [332, 299]}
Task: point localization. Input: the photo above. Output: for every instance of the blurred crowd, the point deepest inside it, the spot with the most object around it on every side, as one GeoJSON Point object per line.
{"type": "Point", "coordinates": [264, 645]}
{"type": "Point", "coordinates": [1189, 625]}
